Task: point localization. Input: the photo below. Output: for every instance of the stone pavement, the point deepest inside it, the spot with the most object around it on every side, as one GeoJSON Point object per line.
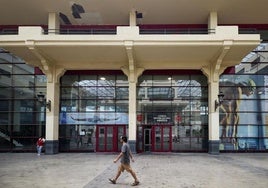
{"type": "Point", "coordinates": [91, 170]}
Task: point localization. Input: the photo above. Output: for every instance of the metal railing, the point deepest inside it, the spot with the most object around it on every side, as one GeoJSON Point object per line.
{"type": "Point", "coordinates": [164, 31]}
{"type": "Point", "coordinates": [248, 31]}
{"type": "Point", "coordinates": [79, 31]}
{"type": "Point", "coordinates": [9, 32]}
{"type": "Point", "coordinates": [181, 31]}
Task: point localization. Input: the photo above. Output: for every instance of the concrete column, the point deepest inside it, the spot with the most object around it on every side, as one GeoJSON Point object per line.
{"type": "Point", "coordinates": [132, 116]}
{"type": "Point", "coordinates": [133, 73]}
{"type": "Point", "coordinates": [132, 18]}
{"type": "Point", "coordinates": [53, 23]}
{"type": "Point", "coordinates": [213, 72]}
{"type": "Point", "coordinates": [212, 20]}
{"type": "Point", "coordinates": [52, 119]}
{"type": "Point", "coordinates": [52, 115]}
{"type": "Point", "coordinates": [213, 124]}
{"type": "Point", "coordinates": [132, 107]}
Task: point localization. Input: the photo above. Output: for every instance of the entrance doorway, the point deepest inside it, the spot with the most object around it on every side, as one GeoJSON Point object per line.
{"type": "Point", "coordinates": [147, 140]}
{"type": "Point", "coordinates": [108, 138]}
{"type": "Point", "coordinates": [161, 138]}
{"type": "Point", "coordinates": [156, 138]}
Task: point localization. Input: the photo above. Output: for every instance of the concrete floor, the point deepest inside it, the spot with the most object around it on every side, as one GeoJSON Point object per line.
{"type": "Point", "coordinates": [90, 170]}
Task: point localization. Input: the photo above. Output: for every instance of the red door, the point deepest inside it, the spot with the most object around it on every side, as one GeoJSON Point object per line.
{"type": "Point", "coordinates": [161, 138]}
{"type": "Point", "coordinates": [107, 138]}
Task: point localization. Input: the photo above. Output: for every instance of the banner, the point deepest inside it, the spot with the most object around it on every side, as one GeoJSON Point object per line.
{"type": "Point", "coordinates": [91, 118]}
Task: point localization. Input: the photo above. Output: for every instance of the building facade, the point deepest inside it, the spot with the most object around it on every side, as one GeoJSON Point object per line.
{"type": "Point", "coordinates": [83, 85]}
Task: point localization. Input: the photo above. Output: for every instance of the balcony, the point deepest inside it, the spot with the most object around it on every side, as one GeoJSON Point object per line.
{"type": "Point", "coordinates": [113, 48]}
{"type": "Point", "coordinates": [142, 31]}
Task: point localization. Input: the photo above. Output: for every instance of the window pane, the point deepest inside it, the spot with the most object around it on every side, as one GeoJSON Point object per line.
{"type": "Point", "coordinates": [69, 80]}
{"type": "Point", "coordinates": [22, 69]}
{"type": "Point", "coordinates": [41, 80]}
{"type": "Point", "coordinates": [6, 93]}
{"type": "Point", "coordinates": [23, 93]}
{"type": "Point", "coordinates": [5, 74]}
{"type": "Point", "coordinates": [23, 80]}
{"type": "Point", "coordinates": [122, 93]}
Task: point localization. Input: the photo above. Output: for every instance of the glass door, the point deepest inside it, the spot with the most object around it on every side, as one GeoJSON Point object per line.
{"type": "Point", "coordinates": [147, 140]}
{"type": "Point", "coordinates": [107, 138]}
{"type": "Point", "coordinates": [161, 138]}
{"type": "Point", "coordinates": [104, 138]}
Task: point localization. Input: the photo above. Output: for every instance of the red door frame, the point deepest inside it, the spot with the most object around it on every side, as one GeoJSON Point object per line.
{"type": "Point", "coordinates": [162, 140]}
{"type": "Point", "coordinates": [114, 139]}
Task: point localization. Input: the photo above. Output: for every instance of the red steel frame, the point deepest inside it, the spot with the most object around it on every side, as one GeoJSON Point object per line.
{"type": "Point", "coordinates": [161, 140]}
{"type": "Point", "coordinates": [115, 147]}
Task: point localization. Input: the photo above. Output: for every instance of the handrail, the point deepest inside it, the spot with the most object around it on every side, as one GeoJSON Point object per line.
{"type": "Point", "coordinates": [9, 32]}
{"type": "Point", "coordinates": [248, 31]}
{"type": "Point", "coordinates": [177, 31]}
{"type": "Point", "coordinates": [94, 31]}
{"type": "Point", "coordinates": [76, 31]}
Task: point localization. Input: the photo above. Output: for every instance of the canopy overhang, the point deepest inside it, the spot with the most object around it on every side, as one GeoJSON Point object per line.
{"type": "Point", "coordinates": [112, 52]}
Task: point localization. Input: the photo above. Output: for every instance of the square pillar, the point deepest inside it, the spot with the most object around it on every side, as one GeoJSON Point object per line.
{"type": "Point", "coordinates": [213, 124]}
{"type": "Point", "coordinates": [132, 117]}
{"type": "Point", "coordinates": [212, 20]}
{"type": "Point", "coordinates": [52, 119]}
{"type": "Point", "coordinates": [53, 23]}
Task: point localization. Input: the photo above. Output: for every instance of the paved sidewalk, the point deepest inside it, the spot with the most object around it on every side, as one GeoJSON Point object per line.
{"type": "Point", "coordinates": [88, 170]}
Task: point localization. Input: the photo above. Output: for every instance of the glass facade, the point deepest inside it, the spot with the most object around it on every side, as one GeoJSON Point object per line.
{"type": "Point", "coordinates": [174, 109]}
{"type": "Point", "coordinates": [91, 104]}
{"type": "Point", "coordinates": [244, 111]}
{"type": "Point", "coordinates": [22, 117]}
